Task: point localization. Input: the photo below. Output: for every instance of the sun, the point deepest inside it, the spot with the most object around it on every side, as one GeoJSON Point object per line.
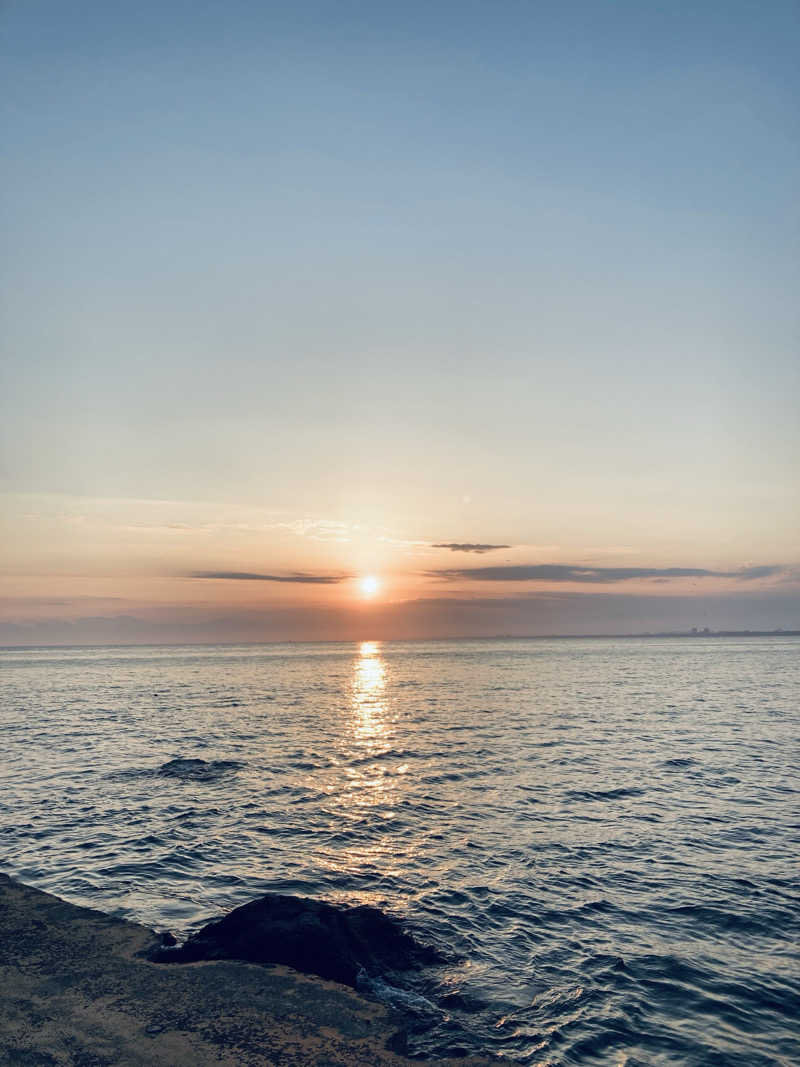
{"type": "Point", "coordinates": [369, 585]}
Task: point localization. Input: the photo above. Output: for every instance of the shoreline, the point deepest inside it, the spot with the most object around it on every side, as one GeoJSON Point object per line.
{"type": "Point", "coordinates": [76, 988]}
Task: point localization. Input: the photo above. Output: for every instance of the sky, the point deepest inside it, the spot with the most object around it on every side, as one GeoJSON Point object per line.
{"type": "Point", "coordinates": [495, 302]}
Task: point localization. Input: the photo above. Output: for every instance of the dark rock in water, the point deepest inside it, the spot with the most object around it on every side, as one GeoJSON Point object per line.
{"type": "Point", "coordinates": [197, 770]}
{"type": "Point", "coordinates": [311, 936]}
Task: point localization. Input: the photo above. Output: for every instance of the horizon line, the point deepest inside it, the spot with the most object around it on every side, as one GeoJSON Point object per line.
{"type": "Point", "coordinates": [778, 632]}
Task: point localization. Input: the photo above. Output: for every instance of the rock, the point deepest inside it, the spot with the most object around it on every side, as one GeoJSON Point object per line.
{"type": "Point", "coordinates": [311, 936]}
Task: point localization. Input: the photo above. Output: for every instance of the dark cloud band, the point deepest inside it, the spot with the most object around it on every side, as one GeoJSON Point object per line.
{"type": "Point", "coordinates": [246, 576]}
{"type": "Point", "coordinates": [557, 572]}
{"type": "Point", "coordinates": [455, 546]}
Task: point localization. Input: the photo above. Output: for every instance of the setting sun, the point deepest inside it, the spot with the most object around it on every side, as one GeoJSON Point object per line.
{"type": "Point", "coordinates": [369, 585]}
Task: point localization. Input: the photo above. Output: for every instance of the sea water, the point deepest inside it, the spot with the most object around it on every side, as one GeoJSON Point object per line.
{"type": "Point", "coordinates": [602, 834]}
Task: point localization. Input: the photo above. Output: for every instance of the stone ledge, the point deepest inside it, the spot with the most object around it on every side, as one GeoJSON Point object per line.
{"type": "Point", "coordinates": [77, 989]}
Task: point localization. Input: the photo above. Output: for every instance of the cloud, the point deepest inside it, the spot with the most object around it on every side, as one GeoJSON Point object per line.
{"type": "Point", "coordinates": [562, 572]}
{"type": "Point", "coordinates": [247, 576]}
{"type": "Point", "coordinates": [766, 571]}
{"type": "Point", "coordinates": [318, 529]}
{"type": "Point", "coordinates": [456, 547]}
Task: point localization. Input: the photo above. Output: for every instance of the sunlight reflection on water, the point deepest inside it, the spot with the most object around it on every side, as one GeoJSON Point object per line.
{"type": "Point", "coordinates": [369, 704]}
{"type": "Point", "coordinates": [372, 783]}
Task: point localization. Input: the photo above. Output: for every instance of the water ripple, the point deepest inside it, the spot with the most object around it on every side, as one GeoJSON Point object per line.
{"type": "Point", "coordinates": [602, 834]}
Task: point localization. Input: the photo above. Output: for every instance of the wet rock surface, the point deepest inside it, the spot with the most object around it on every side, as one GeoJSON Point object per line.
{"type": "Point", "coordinates": [311, 936]}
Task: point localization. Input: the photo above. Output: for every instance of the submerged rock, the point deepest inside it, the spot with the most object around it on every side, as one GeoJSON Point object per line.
{"type": "Point", "coordinates": [197, 770]}
{"type": "Point", "coordinates": [311, 936]}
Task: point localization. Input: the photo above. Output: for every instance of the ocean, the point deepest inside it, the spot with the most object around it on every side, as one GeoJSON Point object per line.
{"type": "Point", "coordinates": [601, 834]}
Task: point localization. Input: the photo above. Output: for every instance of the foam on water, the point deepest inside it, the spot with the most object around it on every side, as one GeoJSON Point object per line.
{"type": "Point", "coordinates": [603, 834]}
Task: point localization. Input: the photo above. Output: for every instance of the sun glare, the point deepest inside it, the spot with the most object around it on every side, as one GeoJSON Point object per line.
{"type": "Point", "coordinates": [369, 585]}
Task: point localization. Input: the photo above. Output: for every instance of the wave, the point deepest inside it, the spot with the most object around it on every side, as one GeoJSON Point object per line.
{"type": "Point", "coordinates": [198, 770]}
{"type": "Point", "coordinates": [604, 794]}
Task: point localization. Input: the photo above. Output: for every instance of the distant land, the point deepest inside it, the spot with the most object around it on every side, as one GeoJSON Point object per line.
{"type": "Point", "coordinates": [489, 637]}
{"type": "Point", "coordinates": [705, 632]}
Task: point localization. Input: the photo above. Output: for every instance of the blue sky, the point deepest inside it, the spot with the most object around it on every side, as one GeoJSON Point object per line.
{"type": "Point", "coordinates": [512, 273]}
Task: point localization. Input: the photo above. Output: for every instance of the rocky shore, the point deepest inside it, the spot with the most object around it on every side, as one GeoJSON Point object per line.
{"type": "Point", "coordinates": [81, 988]}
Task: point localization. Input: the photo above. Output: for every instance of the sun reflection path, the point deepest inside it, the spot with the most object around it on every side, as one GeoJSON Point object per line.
{"type": "Point", "coordinates": [369, 704]}
{"type": "Point", "coordinates": [372, 775]}
{"type": "Point", "coordinates": [373, 782]}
